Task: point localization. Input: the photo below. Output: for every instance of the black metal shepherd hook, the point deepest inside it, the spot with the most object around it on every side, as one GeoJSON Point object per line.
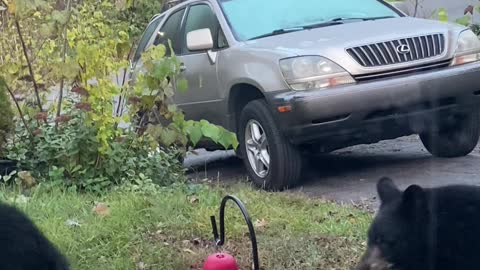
{"type": "Point", "coordinates": [221, 240]}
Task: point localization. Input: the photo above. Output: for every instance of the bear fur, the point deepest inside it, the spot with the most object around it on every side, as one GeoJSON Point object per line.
{"type": "Point", "coordinates": [424, 229]}
{"type": "Point", "coordinates": [23, 246]}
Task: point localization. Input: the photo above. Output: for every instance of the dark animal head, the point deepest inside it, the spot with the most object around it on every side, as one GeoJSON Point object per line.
{"type": "Point", "coordinates": [397, 236]}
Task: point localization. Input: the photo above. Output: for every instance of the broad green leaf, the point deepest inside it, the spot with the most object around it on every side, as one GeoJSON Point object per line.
{"type": "Point", "coordinates": [69, 69]}
{"type": "Point", "coordinates": [160, 71]}
{"type": "Point", "coordinates": [194, 134]}
{"type": "Point", "coordinates": [47, 29]}
{"type": "Point", "coordinates": [172, 108]}
{"type": "Point", "coordinates": [168, 136]}
{"type": "Point", "coordinates": [148, 101]}
{"type": "Point", "coordinates": [182, 85]}
{"type": "Point", "coordinates": [120, 4]}
{"type": "Point", "coordinates": [60, 17]}
{"type": "Point", "coordinates": [179, 119]}
{"type": "Point", "coordinates": [211, 131]}
{"type": "Point", "coordinates": [465, 20]}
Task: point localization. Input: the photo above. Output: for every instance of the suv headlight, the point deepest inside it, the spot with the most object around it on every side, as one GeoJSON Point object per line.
{"type": "Point", "coordinates": [313, 72]}
{"type": "Point", "coordinates": [468, 48]}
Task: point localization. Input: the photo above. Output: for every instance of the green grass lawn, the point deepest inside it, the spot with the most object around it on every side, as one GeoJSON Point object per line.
{"type": "Point", "coordinates": [171, 230]}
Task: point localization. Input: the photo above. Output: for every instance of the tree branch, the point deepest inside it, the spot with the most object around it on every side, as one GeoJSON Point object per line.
{"type": "Point", "coordinates": [64, 56]}
{"type": "Point", "coordinates": [29, 64]}
{"type": "Point", "coordinates": [416, 8]}
{"type": "Point", "coordinates": [18, 109]}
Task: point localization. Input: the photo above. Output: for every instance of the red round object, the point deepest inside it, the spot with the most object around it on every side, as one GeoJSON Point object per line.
{"type": "Point", "coordinates": [220, 261]}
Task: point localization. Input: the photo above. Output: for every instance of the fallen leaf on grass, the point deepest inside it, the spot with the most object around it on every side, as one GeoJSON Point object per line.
{"type": "Point", "coordinates": [260, 223]}
{"type": "Point", "coordinates": [72, 223]}
{"type": "Point", "coordinates": [189, 251]}
{"type": "Point", "coordinates": [140, 266]}
{"type": "Point", "coordinates": [193, 199]}
{"type": "Point", "coordinates": [101, 209]}
{"type": "Point", "coordinates": [26, 179]}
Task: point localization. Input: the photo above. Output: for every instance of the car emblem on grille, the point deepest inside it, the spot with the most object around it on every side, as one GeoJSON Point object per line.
{"type": "Point", "coordinates": [403, 49]}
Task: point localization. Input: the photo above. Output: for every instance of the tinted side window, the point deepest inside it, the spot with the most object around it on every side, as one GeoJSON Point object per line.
{"type": "Point", "coordinates": [202, 16]}
{"type": "Point", "coordinates": [146, 37]}
{"type": "Point", "coordinates": [169, 31]}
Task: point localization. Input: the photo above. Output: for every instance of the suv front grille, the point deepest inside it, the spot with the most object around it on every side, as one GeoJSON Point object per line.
{"type": "Point", "coordinates": [403, 71]}
{"type": "Point", "coordinates": [399, 51]}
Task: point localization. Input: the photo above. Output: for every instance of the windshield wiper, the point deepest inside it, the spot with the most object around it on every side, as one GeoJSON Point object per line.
{"type": "Point", "coordinates": [279, 32]}
{"type": "Point", "coordinates": [335, 21]}
{"type": "Point", "coordinates": [362, 18]}
{"type": "Point", "coordinates": [298, 28]}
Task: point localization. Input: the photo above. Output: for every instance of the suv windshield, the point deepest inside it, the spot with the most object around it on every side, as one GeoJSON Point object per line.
{"type": "Point", "coordinates": [251, 19]}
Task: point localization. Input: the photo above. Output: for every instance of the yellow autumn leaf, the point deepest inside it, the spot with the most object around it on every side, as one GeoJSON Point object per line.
{"type": "Point", "coordinates": [11, 7]}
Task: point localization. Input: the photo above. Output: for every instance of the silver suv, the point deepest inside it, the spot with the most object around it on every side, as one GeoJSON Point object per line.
{"type": "Point", "coordinates": [292, 77]}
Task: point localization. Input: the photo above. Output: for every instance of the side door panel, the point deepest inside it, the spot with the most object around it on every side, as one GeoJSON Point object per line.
{"type": "Point", "coordinates": [203, 98]}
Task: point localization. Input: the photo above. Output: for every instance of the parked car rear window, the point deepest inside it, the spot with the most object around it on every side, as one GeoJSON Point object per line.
{"type": "Point", "coordinates": [252, 18]}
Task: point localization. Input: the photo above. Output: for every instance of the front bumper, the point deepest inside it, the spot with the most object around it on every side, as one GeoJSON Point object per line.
{"type": "Point", "coordinates": [382, 109]}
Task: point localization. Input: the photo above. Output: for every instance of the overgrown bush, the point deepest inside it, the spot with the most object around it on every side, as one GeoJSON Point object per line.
{"type": "Point", "coordinates": [6, 117]}
{"type": "Point", "coordinates": [77, 141]}
{"type": "Point", "coordinates": [69, 154]}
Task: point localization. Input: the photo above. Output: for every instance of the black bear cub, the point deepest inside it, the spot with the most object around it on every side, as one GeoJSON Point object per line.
{"type": "Point", "coordinates": [23, 246]}
{"type": "Point", "coordinates": [424, 229]}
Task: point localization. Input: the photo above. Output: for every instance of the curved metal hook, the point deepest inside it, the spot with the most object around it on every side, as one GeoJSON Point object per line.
{"type": "Point", "coordinates": [221, 240]}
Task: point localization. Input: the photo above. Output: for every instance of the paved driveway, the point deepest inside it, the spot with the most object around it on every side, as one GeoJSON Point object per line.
{"type": "Point", "coordinates": [351, 174]}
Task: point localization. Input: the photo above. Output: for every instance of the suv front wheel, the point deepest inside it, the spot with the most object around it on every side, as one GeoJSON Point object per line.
{"type": "Point", "coordinates": [455, 140]}
{"type": "Point", "coordinates": [271, 161]}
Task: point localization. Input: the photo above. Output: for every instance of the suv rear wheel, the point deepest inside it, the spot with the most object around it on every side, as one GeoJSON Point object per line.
{"type": "Point", "coordinates": [456, 140]}
{"type": "Point", "coordinates": [271, 161]}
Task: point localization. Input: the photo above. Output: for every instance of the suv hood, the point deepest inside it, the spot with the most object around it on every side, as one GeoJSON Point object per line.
{"type": "Point", "coordinates": [332, 41]}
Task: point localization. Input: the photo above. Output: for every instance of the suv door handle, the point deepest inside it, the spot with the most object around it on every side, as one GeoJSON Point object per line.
{"type": "Point", "coordinates": [183, 67]}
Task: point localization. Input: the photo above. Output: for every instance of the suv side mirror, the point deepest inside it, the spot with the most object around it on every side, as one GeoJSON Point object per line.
{"type": "Point", "coordinates": [200, 40]}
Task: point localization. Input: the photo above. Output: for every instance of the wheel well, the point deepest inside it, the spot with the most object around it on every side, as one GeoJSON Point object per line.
{"type": "Point", "coordinates": [240, 96]}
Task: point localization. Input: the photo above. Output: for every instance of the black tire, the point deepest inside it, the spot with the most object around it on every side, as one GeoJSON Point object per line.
{"type": "Point", "coordinates": [285, 159]}
{"type": "Point", "coordinates": [456, 140]}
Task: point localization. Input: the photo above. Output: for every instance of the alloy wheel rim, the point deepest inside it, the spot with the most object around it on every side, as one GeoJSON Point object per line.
{"type": "Point", "coordinates": [258, 152]}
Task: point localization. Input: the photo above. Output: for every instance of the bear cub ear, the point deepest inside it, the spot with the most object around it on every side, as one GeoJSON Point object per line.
{"type": "Point", "coordinates": [414, 198]}
{"type": "Point", "coordinates": [387, 190]}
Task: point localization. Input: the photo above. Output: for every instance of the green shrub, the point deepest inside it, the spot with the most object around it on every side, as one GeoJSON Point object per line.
{"type": "Point", "coordinates": [69, 155]}
{"type": "Point", "coordinates": [6, 118]}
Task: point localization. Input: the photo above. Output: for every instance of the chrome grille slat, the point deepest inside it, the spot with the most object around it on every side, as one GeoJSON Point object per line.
{"type": "Point", "coordinates": [384, 57]}
{"type": "Point", "coordinates": [366, 55]}
{"type": "Point", "coordinates": [419, 42]}
{"type": "Point", "coordinates": [387, 52]}
{"type": "Point", "coordinates": [426, 45]}
{"type": "Point", "coordinates": [442, 43]}
{"type": "Point", "coordinates": [358, 57]}
{"type": "Point", "coordinates": [434, 44]}
{"type": "Point", "coordinates": [374, 55]}
{"type": "Point", "coordinates": [412, 47]}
